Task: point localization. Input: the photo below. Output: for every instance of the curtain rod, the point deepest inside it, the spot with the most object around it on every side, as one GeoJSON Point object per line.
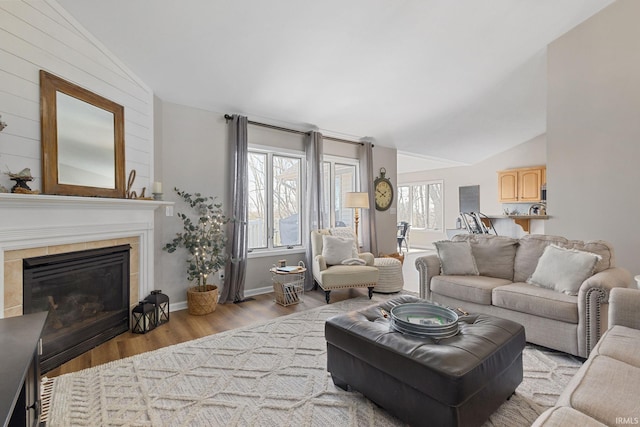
{"type": "Point", "coordinates": [228, 117]}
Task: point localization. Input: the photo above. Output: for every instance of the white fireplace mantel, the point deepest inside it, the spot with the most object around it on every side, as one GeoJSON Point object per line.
{"type": "Point", "coordinates": [33, 221]}
{"type": "Point", "coordinates": [12, 200]}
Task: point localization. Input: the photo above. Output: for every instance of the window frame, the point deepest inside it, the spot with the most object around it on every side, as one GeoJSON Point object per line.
{"type": "Point", "coordinates": [411, 220]}
{"type": "Point", "coordinates": [333, 160]}
{"type": "Point", "coordinates": [271, 249]}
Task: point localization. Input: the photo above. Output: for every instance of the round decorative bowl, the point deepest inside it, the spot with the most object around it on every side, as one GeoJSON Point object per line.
{"type": "Point", "coordinates": [424, 320]}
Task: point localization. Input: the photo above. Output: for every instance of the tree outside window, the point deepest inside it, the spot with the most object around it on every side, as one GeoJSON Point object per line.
{"type": "Point", "coordinates": [421, 205]}
{"type": "Point", "coordinates": [286, 201]}
{"type": "Point", "coordinates": [257, 209]}
{"type": "Point", "coordinates": [275, 183]}
{"type": "Point", "coordinates": [340, 177]}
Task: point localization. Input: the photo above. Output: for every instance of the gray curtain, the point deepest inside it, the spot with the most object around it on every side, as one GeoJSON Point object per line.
{"type": "Point", "coordinates": [368, 222]}
{"type": "Point", "coordinates": [314, 199]}
{"type": "Point", "coordinates": [233, 290]}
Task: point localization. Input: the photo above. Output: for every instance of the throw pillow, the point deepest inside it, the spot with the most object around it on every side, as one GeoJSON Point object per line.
{"type": "Point", "coordinates": [563, 270]}
{"type": "Point", "coordinates": [494, 255]}
{"type": "Point", "coordinates": [336, 249]}
{"type": "Point", "coordinates": [456, 258]}
{"type": "Point", "coordinates": [347, 233]}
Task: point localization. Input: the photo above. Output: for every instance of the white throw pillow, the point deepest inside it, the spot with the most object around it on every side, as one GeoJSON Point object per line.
{"type": "Point", "coordinates": [336, 249]}
{"type": "Point", "coordinates": [347, 233]}
{"type": "Point", "coordinates": [563, 270]}
{"type": "Point", "coordinates": [456, 258]}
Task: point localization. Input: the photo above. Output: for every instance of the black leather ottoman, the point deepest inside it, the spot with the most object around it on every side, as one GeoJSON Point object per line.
{"type": "Point", "coordinates": [457, 381]}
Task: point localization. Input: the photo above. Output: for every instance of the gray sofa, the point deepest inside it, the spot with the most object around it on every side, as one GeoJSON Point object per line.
{"type": "Point", "coordinates": [606, 389]}
{"type": "Point", "coordinates": [572, 324]}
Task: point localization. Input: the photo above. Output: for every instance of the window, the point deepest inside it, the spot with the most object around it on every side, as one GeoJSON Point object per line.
{"type": "Point", "coordinates": [275, 199]}
{"type": "Point", "coordinates": [421, 205]}
{"type": "Point", "coordinates": [341, 175]}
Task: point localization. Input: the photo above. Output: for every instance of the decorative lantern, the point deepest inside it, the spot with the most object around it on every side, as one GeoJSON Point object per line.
{"type": "Point", "coordinates": [144, 317]}
{"type": "Point", "coordinates": [161, 304]}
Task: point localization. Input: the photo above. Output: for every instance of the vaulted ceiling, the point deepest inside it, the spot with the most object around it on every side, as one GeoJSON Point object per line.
{"type": "Point", "coordinates": [443, 81]}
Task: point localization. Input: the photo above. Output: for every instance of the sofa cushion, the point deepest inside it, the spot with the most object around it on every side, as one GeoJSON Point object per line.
{"type": "Point", "coordinates": [620, 343]}
{"type": "Point", "coordinates": [563, 416]}
{"type": "Point", "coordinates": [467, 288]}
{"type": "Point", "coordinates": [537, 301]}
{"type": "Point", "coordinates": [531, 247]}
{"type": "Point", "coordinates": [456, 258]}
{"type": "Point", "coordinates": [337, 249]}
{"type": "Point", "coordinates": [605, 389]}
{"type": "Point", "coordinates": [494, 255]}
{"type": "Point", "coordinates": [563, 270]}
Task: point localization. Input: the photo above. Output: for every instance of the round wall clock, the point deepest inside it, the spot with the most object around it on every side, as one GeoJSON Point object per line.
{"type": "Point", "coordinates": [384, 191]}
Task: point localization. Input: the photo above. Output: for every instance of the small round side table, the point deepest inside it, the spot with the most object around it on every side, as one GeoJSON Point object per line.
{"type": "Point", "coordinates": [288, 283]}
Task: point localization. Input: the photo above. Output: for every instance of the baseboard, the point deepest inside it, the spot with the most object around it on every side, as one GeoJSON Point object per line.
{"type": "Point", "coordinates": [182, 305]}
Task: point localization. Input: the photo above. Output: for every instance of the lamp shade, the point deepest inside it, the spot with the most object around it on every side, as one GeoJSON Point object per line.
{"type": "Point", "coordinates": [356, 200]}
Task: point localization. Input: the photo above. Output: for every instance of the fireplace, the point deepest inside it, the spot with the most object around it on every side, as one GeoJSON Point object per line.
{"type": "Point", "coordinates": [86, 294]}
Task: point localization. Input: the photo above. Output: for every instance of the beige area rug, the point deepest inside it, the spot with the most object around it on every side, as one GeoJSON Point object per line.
{"type": "Point", "coordinates": [270, 374]}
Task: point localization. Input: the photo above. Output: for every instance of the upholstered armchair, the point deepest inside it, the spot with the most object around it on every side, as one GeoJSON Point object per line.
{"type": "Point", "coordinates": [338, 267]}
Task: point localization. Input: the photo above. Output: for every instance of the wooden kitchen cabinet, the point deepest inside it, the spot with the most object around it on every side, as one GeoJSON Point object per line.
{"type": "Point", "coordinates": [508, 186]}
{"type": "Point", "coordinates": [521, 185]}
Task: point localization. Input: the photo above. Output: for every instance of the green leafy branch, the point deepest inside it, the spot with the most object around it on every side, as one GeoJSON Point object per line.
{"type": "Point", "coordinates": [203, 236]}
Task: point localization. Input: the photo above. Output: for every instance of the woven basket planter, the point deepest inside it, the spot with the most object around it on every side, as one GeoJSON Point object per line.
{"type": "Point", "coordinates": [199, 303]}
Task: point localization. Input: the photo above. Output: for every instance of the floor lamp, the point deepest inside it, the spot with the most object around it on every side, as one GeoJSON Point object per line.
{"type": "Point", "coordinates": [356, 201]}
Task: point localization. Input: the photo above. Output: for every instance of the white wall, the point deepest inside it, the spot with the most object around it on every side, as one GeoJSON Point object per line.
{"type": "Point", "coordinates": [37, 35]}
{"type": "Point", "coordinates": [593, 131]}
{"type": "Point", "coordinates": [484, 174]}
{"type": "Point", "coordinates": [194, 158]}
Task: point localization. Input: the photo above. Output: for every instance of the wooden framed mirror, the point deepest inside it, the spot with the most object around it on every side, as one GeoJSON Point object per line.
{"type": "Point", "coordinates": [82, 141]}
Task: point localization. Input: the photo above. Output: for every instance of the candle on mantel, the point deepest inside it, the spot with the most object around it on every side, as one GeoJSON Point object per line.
{"type": "Point", "coordinates": [157, 187]}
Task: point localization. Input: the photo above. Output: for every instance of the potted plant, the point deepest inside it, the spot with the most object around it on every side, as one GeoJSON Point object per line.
{"type": "Point", "coordinates": [204, 237]}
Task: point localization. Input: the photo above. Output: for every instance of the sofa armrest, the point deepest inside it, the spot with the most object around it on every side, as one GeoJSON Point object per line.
{"type": "Point", "coordinates": [427, 266]}
{"type": "Point", "coordinates": [593, 305]}
{"type": "Point", "coordinates": [624, 308]}
{"type": "Point", "coordinates": [368, 257]}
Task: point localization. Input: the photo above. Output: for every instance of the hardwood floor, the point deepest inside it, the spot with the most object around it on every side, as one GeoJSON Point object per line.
{"type": "Point", "coordinates": [184, 327]}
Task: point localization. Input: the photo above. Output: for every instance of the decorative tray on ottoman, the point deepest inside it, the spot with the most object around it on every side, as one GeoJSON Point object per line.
{"type": "Point", "coordinates": [424, 320]}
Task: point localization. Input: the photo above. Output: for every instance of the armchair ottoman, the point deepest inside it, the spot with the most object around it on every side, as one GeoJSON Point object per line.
{"type": "Point", "coordinates": [390, 277]}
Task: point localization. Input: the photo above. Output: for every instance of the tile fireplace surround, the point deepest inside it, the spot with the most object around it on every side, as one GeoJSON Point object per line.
{"type": "Point", "coordinates": [35, 225]}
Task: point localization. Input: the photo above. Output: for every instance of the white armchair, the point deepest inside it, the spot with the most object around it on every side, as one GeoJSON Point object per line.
{"type": "Point", "coordinates": [339, 276]}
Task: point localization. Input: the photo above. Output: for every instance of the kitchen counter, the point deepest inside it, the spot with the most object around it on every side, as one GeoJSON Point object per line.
{"type": "Point", "coordinates": [522, 220]}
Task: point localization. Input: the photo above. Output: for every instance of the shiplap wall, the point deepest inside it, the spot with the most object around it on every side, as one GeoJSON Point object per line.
{"type": "Point", "coordinates": [38, 34]}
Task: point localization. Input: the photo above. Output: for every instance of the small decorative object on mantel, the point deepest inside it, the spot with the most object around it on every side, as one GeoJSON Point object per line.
{"type": "Point", "coordinates": [161, 303]}
{"type": "Point", "coordinates": [157, 191]}
{"type": "Point", "coordinates": [144, 317]}
{"type": "Point", "coordinates": [21, 178]}
{"type": "Point", "coordinates": [2, 124]}
{"type": "Point", "coordinates": [130, 194]}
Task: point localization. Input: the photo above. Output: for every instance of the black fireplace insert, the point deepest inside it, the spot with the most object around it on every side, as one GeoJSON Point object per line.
{"type": "Point", "coordinates": [86, 294]}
